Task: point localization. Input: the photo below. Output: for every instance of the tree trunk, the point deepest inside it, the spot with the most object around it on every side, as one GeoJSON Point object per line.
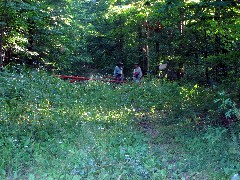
{"type": "Point", "coordinates": [181, 23]}
{"type": "Point", "coordinates": [3, 19]}
{"type": "Point", "coordinates": [205, 55]}
{"type": "Point", "coordinates": [141, 52]}
{"type": "Point", "coordinates": [157, 51]}
{"type": "Point", "coordinates": [7, 56]}
{"type": "Point", "coordinates": [147, 46]}
{"type": "Point", "coordinates": [1, 47]}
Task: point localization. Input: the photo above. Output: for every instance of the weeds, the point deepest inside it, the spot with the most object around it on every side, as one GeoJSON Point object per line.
{"type": "Point", "coordinates": [51, 129]}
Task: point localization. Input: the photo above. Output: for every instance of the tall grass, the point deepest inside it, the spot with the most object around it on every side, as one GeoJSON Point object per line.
{"type": "Point", "coordinates": [51, 129]}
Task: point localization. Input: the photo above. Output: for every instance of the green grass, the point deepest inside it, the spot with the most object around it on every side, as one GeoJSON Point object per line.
{"type": "Point", "coordinates": [51, 129]}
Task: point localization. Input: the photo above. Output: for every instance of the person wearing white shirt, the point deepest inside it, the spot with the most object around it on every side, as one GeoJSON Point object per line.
{"type": "Point", "coordinates": [137, 73]}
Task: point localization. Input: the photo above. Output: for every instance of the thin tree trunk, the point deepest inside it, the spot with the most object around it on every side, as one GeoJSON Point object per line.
{"type": "Point", "coordinates": [147, 56]}
{"type": "Point", "coordinates": [3, 19]}
{"type": "Point", "coordinates": [140, 47]}
{"type": "Point", "coordinates": [205, 56]}
{"type": "Point", "coordinates": [147, 46]}
{"type": "Point", "coordinates": [157, 51]}
{"type": "Point", "coordinates": [1, 39]}
{"type": "Point", "coordinates": [180, 72]}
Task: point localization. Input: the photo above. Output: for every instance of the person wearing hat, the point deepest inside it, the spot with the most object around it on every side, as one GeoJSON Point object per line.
{"type": "Point", "coordinates": [137, 73]}
{"type": "Point", "coordinates": [118, 72]}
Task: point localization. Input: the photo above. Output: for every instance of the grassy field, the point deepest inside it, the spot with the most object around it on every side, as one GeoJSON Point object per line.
{"type": "Point", "coordinates": [52, 129]}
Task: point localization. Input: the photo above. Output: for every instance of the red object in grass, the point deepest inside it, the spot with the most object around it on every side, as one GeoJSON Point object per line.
{"type": "Point", "coordinates": [81, 78]}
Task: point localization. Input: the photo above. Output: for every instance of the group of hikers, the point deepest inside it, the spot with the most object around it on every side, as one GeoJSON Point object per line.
{"type": "Point", "coordinates": [137, 72]}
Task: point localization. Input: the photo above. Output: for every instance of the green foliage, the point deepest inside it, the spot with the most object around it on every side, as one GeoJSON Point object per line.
{"type": "Point", "coordinates": [53, 129]}
{"type": "Point", "coordinates": [50, 128]}
{"type": "Point", "coordinates": [68, 36]}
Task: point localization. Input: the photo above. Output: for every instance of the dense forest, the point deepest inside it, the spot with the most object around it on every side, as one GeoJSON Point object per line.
{"type": "Point", "coordinates": [180, 122]}
{"type": "Point", "coordinates": [198, 39]}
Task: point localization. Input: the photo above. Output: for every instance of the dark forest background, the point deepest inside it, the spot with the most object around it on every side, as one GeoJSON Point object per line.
{"type": "Point", "coordinates": [199, 40]}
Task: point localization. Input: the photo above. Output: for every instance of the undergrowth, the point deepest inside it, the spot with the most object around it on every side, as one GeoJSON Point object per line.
{"type": "Point", "coordinates": [52, 129]}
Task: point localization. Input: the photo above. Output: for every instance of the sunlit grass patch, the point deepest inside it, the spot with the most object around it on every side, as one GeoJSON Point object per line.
{"type": "Point", "coordinates": [52, 129]}
{"type": "Point", "coordinates": [62, 130]}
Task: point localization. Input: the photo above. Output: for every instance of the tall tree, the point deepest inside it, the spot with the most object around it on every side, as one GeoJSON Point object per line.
{"type": "Point", "coordinates": [2, 25]}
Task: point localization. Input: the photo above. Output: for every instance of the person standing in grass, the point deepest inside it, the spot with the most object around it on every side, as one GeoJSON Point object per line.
{"type": "Point", "coordinates": [137, 73]}
{"type": "Point", "coordinates": [118, 72]}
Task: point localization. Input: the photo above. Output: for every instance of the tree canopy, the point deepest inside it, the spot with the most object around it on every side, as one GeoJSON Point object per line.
{"type": "Point", "coordinates": [73, 37]}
